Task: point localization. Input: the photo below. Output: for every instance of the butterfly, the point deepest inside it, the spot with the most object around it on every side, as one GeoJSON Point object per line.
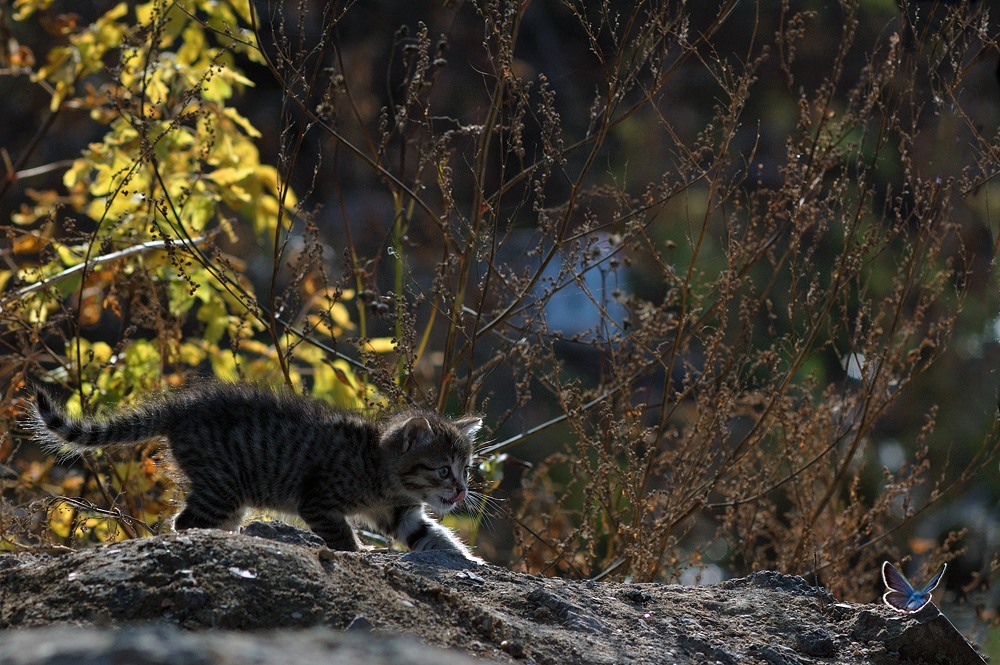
{"type": "Point", "coordinates": [901, 596]}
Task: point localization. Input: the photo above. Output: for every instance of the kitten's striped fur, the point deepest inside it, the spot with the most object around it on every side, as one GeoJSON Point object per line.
{"type": "Point", "coordinates": [243, 445]}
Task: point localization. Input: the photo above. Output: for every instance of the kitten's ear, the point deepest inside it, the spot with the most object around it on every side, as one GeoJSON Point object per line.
{"type": "Point", "coordinates": [417, 433]}
{"type": "Point", "coordinates": [469, 426]}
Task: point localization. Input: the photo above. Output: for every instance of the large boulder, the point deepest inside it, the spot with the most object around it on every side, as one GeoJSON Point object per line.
{"type": "Point", "coordinates": [216, 597]}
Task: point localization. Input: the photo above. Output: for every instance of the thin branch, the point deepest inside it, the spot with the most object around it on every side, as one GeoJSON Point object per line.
{"type": "Point", "coordinates": [152, 245]}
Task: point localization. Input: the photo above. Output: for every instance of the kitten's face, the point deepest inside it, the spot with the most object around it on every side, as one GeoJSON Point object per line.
{"type": "Point", "coordinates": [434, 458]}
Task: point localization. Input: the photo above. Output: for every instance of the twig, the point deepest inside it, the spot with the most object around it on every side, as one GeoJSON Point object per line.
{"type": "Point", "coordinates": [113, 256]}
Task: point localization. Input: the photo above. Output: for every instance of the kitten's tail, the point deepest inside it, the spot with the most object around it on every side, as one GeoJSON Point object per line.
{"type": "Point", "coordinates": [62, 434]}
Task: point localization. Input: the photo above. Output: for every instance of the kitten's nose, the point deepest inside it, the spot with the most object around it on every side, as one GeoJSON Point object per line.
{"type": "Point", "coordinates": [460, 497]}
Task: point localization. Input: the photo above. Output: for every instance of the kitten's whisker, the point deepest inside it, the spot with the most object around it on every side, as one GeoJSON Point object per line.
{"type": "Point", "coordinates": [483, 508]}
{"type": "Point", "coordinates": [477, 452]}
{"type": "Point", "coordinates": [480, 511]}
{"type": "Point", "coordinates": [489, 505]}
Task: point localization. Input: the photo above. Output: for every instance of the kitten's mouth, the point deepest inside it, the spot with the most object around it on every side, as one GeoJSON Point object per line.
{"type": "Point", "coordinates": [450, 502]}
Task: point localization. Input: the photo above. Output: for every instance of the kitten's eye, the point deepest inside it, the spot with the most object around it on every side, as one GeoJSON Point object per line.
{"type": "Point", "coordinates": [443, 472]}
{"type": "Point", "coordinates": [468, 472]}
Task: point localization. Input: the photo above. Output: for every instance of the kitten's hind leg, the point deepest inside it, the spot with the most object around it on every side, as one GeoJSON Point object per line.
{"type": "Point", "coordinates": [202, 511]}
{"type": "Point", "coordinates": [331, 527]}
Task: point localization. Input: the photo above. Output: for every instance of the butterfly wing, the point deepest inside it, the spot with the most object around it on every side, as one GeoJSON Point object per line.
{"type": "Point", "coordinates": [935, 580]}
{"type": "Point", "coordinates": [894, 580]}
{"type": "Point", "coordinates": [900, 594]}
{"type": "Point", "coordinates": [902, 602]}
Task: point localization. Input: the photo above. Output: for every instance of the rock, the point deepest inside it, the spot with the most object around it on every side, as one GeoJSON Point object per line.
{"type": "Point", "coordinates": [168, 645]}
{"type": "Point", "coordinates": [570, 614]}
{"type": "Point", "coordinates": [283, 533]}
{"type": "Point", "coordinates": [181, 597]}
{"type": "Point", "coordinates": [441, 559]}
{"type": "Point", "coordinates": [929, 638]}
{"type": "Point", "coordinates": [816, 642]}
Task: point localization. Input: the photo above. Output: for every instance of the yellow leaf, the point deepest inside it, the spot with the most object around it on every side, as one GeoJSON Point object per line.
{"type": "Point", "coordinates": [156, 91]}
{"type": "Point", "coordinates": [59, 61]}
{"type": "Point", "coordinates": [224, 366]}
{"type": "Point", "coordinates": [191, 354]}
{"type": "Point", "coordinates": [144, 13]}
{"type": "Point", "coordinates": [341, 386]}
{"type": "Point", "coordinates": [380, 344]}
{"type": "Point", "coordinates": [61, 520]}
{"type": "Point", "coordinates": [269, 179]}
{"type": "Point", "coordinates": [228, 175]}
{"type": "Point", "coordinates": [234, 115]}
{"type": "Point", "coordinates": [259, 348]}
{"type": "Point", "coordinates": [235, 76]}
{"type": "Point", "coordinates": [72, 485]}
{"type": "Point", "coordinates": [142, 357]}
{"type": "Point", "coordinates": [25, 8]}
{"type": "Point", "coordinates": [216, 89]}
{"type": "Point", "coordinates": [68, 255]}
{"type": "Point", "coordinates": [198, 211]}
{"type": "Point", "coordinates": [192, 47]}
{"type": "Point", "coordinates": [340, 316]}
{"type": "Point", "coordinates": [101, 352]}
{"type": "Point", "coordinates": [109, 31]}
{"type": "Point", "coordinates": [214, 315]}
{"type": "Point", "coordinates": [30, 243]}
{"type": "Point", "coordinates": [242, 7]}
{"type": "Point", "coordinates": [58, 96]}
{"type": "Point", "coordinates": [234, 194]}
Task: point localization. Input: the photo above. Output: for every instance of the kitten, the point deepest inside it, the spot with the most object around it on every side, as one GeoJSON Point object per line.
{"type": "Point", "coordinates": [241, 445]}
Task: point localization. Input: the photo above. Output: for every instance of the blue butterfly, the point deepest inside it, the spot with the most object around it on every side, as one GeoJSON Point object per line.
{"type": "Point", "coordinates": [901, 596]}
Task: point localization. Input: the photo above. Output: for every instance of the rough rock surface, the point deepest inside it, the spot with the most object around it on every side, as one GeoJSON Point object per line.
{"type": "Point", "coordinates": [207, 597]}
{"type": "Point", "coordinates": [169, 645]}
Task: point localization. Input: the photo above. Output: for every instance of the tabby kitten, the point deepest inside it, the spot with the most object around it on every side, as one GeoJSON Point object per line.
{"type": "Point", "coordinates": [242, 445]}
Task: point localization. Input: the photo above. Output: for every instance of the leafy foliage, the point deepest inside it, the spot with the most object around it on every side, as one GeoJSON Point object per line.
{"type": "Point", "coordinates": [132, 238]}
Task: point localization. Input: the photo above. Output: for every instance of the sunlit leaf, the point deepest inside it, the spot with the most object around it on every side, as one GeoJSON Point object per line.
{"type": "Point", "coordinates": [192, 354]}
{"type": "Point", "coordinates": [25, 8]}
{"type": "Point", "coordinates": [216, 320]}
{"type": "Point", "coordinates": [70, 256]}
{"type": "Point", "coordinates": [192, 47]}
{"type": "Point", "coordinates": [341, 316]}
{"type": "Point", "coordinates": [229, 175]}
{"type": "Point", "coordinates": [61, 520]}
{"type": "Point", "coordinates": [142, 358]}
{"type": "Point", "coordinates": [30, 243]}
{"type": "Point", "coordinates": [99, 352]}
{"type": "Point", "coordinates": [380, 344]}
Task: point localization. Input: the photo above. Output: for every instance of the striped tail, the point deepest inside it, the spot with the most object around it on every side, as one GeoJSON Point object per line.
{"type": "Point", "coordinates": [64, 435]}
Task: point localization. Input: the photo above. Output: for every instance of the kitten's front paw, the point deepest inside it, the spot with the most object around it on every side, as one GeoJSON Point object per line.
{"type": "Point", "coordinates": [472, 558]}
{"type": "Point", "coordinates": [445, 558]}
{"type": "Point", "coordinates": [465, 555]}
